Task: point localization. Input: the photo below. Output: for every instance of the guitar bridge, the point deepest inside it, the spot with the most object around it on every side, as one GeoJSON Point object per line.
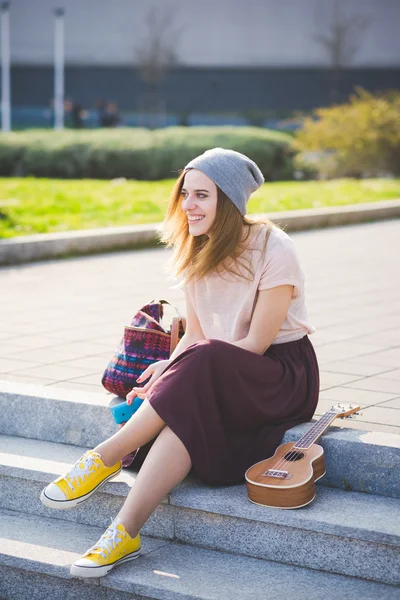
{"type": "Point", "coordinates": [277, 474]}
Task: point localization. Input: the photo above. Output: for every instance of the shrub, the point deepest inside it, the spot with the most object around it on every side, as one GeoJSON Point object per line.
{"type": "Point", "coordinates": [357, 139]}
{"type": "Point", "coordinates": [138, 153]}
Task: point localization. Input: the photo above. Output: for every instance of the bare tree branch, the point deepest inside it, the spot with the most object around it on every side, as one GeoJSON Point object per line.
{"type": "Point", "coordinates": [156, 53]}
{"type": "Point", "coordinates": [341, 35]}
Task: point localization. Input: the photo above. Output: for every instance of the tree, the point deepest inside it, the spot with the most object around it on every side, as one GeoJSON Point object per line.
{"type": "Point", "coordinates": [340, 34]}
{"type": "Point", "coordinates": [155, 56]}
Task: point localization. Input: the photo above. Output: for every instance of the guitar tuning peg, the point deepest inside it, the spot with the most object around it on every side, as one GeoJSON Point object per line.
{"type": "Point", "coordinates": [349, 417]}
{"type": "Point", "coordinates": [350, 406]}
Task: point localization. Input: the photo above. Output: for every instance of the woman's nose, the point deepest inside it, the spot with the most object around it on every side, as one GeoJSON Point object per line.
{"type": "Point", "coordinates": [188, 202]}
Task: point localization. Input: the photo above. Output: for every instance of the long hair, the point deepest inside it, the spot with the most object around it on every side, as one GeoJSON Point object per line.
{"type": "Point", "coordinates": [195, 257]}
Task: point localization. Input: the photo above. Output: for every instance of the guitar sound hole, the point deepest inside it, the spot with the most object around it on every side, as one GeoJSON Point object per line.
{"type": "Point", "coordinates": [292, 456]}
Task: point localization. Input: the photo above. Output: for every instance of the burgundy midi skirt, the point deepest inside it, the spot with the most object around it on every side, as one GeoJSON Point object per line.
{"type": "Point", "coordinates": [231, 407]}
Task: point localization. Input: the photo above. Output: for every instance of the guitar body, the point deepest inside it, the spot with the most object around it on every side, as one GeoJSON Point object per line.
{"type": "Point", "coordinates": [286, 480]}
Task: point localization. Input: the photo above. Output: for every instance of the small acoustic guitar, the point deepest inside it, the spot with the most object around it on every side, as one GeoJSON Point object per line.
{"type": "Point", "coordinates": [286, 480]}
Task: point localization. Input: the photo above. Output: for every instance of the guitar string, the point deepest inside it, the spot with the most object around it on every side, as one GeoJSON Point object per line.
{"type": "Point", "coordinates": [287, 457]}
{"type": "Point", "coordinates": [292, 453]}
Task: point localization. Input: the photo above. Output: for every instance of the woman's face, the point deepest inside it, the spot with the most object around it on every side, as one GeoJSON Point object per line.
{"type": "Point", "coordinates": [199, 201]}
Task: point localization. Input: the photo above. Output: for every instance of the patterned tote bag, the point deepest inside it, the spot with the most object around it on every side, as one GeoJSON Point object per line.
{"type": "Point", "coordinates": [144, 342]}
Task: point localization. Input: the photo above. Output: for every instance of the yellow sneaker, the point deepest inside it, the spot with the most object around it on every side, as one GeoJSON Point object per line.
{"type": "Point", "coordinates": [114, 547]}
{"type": "Point", "coordinates": [87, 475]}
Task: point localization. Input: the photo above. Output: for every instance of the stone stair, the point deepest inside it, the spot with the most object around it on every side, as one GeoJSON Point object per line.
{"type": "Point", "coordinates": [202, 542]}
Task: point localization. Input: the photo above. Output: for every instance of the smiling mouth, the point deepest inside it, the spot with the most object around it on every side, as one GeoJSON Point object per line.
{"type": "Point", "coordinates": [195, 220]}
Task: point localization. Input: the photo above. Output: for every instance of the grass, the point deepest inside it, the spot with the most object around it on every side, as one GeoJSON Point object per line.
{"type": "Point", "coordinates": [30, 205]}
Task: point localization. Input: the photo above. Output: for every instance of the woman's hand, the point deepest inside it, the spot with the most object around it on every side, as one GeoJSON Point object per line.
{"type": "Point", "coordinates": [155, 370]}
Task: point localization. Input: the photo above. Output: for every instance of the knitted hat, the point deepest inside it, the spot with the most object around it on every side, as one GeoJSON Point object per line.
{"type": "Point", "coordinates": [234, 173]}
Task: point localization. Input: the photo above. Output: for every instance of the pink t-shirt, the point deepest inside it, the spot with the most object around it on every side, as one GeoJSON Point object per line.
{"type": "Point", "coordinates": [225, 306]}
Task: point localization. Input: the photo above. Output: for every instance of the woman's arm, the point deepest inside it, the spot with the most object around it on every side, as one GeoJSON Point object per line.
{"type": "Point", "coordinates": [269, 313]}
{"type": "Point", "coordinates": [193, 333]}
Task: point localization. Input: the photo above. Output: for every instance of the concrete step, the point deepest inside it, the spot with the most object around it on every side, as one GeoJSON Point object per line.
{"type": "Point", "coordinates": [35, 555]}
{"type": "Point", "coordinates": [358, 460]}
{"type": "Point", "coordinates": [27, 466]}
{"type": "Point", "coordinates": [343, 532]}
{"type": "Point", "coordinates": [55, 415]}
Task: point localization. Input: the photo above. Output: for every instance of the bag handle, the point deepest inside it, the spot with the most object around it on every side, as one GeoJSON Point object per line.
{"type": "Point", "coordinates": [176, 322]}
{"type": "Point", "coordinates": [160, 301]}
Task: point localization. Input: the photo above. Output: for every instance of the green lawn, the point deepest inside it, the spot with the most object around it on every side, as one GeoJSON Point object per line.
{"type": "Point", "coordinates": [29, 205]}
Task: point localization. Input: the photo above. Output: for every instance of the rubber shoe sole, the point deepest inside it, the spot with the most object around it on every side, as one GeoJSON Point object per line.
{"type": "Point", "coordinates": [86, 572]}
{"type": "Point", "coordinates": [63, 504]}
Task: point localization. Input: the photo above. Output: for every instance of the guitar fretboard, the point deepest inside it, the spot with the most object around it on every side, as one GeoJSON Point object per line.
{"type": "Point", "coordinates": [312, 435]}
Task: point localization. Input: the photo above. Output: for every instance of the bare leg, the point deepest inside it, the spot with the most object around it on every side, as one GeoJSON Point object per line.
{"type": "Point", "coordinates": [143, 426]}
{"type": "Point", "coordinates": [167, 464]}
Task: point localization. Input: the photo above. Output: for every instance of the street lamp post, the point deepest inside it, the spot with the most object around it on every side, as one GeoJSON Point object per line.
{"type": "Point", "coordinates": [5, 67]}
{"type": "Point", "coordinates": [59, 68]}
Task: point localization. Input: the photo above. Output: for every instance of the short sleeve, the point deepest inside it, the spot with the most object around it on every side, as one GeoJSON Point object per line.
{"type": "Point", "coordinates": [282, 267]}
{"type": "Point", "coordinates": [179, 280]}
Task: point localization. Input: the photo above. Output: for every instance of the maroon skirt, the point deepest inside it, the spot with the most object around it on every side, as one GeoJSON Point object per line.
{"type": "Point", "coordinates": [231, 407]}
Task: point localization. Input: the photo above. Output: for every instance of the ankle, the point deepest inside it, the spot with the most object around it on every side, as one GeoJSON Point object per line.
{"type": "Point", "coordinates": [105, 458]}
{"type": "Point", "coordinates": [131, 529]}
{"type": "Point", "coordinates": [129, 526]}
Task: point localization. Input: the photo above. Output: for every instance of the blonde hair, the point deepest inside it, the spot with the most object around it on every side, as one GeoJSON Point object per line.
{"type": "Point", "coordinates": [195, 257]}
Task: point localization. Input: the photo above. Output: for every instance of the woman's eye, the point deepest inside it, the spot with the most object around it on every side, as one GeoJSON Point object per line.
{"type": "Point", "coordinates": [183, 194]}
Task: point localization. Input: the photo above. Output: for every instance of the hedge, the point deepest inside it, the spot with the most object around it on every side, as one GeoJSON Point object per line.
{"type": "Point", "coordinates": [141, 154]}
{"type": "Point", "coordinates": [360, 138]}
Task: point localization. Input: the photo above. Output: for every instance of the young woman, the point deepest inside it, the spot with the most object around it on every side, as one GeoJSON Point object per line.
{"type": "Point", "coordinates": [244, 372]}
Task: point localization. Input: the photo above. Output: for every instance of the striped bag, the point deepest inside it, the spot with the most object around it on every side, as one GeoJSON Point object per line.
{"type": "Point", "coordinates": [145, 341]}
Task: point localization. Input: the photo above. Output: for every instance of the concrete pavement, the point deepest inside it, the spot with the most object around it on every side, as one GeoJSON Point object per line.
{"type": "Point", "coordinates": [62, 319]}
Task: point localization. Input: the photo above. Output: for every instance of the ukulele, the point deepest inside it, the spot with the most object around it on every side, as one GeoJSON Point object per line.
{"type": "Point", "coordinates": [286, 480]}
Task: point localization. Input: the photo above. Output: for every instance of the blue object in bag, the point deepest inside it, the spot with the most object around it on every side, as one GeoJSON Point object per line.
{"type": "Point", "coordinates": [122, 412]}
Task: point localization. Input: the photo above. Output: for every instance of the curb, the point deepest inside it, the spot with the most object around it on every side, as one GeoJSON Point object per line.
{"type": "Point", "coordinates": [90, 241]}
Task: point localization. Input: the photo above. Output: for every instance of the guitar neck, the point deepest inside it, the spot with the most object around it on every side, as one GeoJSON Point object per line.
{"type": "Point", "coordinates": [313, 434]}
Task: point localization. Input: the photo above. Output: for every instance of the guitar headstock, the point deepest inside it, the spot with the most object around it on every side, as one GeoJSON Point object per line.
{"type": "Point", "coordinates": [344, 410]}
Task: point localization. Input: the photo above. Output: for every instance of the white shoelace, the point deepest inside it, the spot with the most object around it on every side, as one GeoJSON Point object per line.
{"type": "Point", "coordinates": [81, 469]}
{"type": "Point", "coordinates": [110, 539]}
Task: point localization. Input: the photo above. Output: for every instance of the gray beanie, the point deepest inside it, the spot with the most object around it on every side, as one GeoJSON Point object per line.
{"type": "Point", "coordinates": [236, 174]}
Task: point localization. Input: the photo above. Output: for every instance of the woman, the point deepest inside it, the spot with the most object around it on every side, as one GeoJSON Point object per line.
{"type": "Point", "coordinates": [243, 373]}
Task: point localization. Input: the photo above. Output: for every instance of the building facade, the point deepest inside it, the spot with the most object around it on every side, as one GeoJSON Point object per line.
{"type": "Point", "coordinates": [206, 55]}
